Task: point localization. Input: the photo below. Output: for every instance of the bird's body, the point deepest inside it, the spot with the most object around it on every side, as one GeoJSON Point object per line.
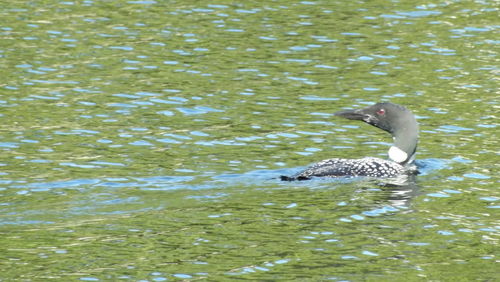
{"type": "Point", "coordinates": [392, 118]}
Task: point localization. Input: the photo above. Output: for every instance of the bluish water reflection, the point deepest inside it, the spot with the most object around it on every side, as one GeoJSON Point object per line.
{"type": "Point", "coordinates": [143, 141]}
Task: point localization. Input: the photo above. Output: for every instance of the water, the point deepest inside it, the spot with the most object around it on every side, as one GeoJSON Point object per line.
{"type": "Point", "coordinates": [141, 140]}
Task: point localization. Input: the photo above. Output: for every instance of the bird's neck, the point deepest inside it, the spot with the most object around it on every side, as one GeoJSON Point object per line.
{"type": "Point", "coordinates": [405, 144]}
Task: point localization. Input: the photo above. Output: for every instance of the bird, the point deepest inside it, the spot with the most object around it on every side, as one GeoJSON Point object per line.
{"type": "Point", "coordinates": [393, 118]}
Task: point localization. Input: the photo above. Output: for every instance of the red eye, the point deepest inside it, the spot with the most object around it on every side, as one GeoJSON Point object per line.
{"type": "Point", "coordinates": [381, 112]}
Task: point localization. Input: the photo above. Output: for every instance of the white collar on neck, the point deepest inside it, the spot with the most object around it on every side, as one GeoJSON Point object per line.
{"type": "Point", "coordinates": [397, 154]}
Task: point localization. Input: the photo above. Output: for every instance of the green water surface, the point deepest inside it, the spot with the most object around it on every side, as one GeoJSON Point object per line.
{"type": "Point", "coordinates": [142, 140]}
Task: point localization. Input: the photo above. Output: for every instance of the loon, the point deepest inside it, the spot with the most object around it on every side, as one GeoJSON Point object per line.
{"type": "Point", "coordinates": [393, 118]}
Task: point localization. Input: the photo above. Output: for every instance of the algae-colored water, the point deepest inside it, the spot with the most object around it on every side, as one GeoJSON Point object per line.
{"type": "Point", "coordinates": [142, 140]}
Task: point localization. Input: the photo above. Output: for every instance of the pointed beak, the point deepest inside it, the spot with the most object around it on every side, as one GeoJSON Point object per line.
{"type": "Point", "coordinates": [352, 114]}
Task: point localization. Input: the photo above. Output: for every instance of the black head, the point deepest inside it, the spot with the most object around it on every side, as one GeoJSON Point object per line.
{"type": "Point", "coordinates": [386, 116]}
{"type": "Point", "coordinates": [395, 119]}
